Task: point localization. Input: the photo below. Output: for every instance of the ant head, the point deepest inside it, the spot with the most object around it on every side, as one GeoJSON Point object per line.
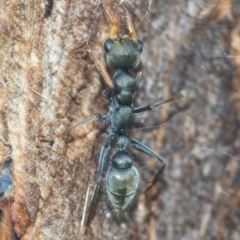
{"type": "Point", "coordinates": [122, 51]}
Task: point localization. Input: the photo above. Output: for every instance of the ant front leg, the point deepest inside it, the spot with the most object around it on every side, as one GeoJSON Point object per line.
{"type": "Point", "coordinates": [103, 159]}
{"type": "Point", "coordinates": [141, 147]}
{"type": "Point", "coordinates": [100, 65]}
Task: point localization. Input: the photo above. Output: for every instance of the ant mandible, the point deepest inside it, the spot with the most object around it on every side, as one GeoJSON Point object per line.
{"type": "Point", "coordinates": [122, 54]}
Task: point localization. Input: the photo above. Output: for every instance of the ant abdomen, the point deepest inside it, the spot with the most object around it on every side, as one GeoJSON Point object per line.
{"type": "Point", "coordinates": [122, 181]}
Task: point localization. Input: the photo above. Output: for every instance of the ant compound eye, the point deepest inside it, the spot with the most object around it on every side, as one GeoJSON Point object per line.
{"type": "Point", "coordinates": [140, 46]}
{"type": "Point", "coordinates": [108, 45]}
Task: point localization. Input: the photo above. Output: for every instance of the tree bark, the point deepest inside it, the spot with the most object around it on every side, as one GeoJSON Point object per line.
{"type": "Point", "coordinates": [48, 83]}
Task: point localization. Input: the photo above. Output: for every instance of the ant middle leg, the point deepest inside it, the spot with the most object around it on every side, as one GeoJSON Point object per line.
{"type": "Point", "coordinates": [141, 147]}
{"type": "Point", "coordinates": [96, 116]}
{"type": "Point", "coordinates": [184, 101]}
{"type": "Point", "coordinates": [158, 104]}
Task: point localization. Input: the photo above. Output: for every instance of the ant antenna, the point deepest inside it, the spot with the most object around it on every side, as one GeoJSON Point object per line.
{"type": "Point", "coordinates": [114, 30]}
{"type": "Point", "coordinates": [129, 24]}
{"type": "Point", "coordinates": [144, 17]}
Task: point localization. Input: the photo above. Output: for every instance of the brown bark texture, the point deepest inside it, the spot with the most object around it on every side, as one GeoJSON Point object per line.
{"type": "Point", "coordinates": [48, 83]}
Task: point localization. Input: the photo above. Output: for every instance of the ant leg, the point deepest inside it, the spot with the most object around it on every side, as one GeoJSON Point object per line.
{"type": "Point", "coordinates": [82, 224]}
{"type": "Point", "coordinates": [100, 66]}
{"type": "Point", "coordinates": [101, 166]}
{"type": "Point", "coordinates": [155, 180]}
{"type": "Point", "coordinates": [96, 116]}
{"type": "Point", "coordinates": [158, 104]}
{"type": "Point", "coordinates": [108, 93]}
{"type": "Point", "coordinates": [141, 147]}
{"type": "Point", "coordinates": [144, 17]}
{"type": "Point", "coordinates": [84, 121]}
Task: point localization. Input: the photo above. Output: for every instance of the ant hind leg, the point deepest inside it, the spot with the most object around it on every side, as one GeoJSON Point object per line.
{"type": "Point", "coordinates": [103, 159]}
{"type": "Point", "coordinates": [155, 179]}
{"type": "Point", "coordinates": [141, 147]}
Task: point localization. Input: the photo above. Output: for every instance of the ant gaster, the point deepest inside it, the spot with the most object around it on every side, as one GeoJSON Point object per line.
{"type": "Point", "coordinates": [122, 54]}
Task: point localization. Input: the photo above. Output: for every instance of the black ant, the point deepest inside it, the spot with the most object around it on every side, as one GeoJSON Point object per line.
{"type": "Point", "coordinates": [122, 54]}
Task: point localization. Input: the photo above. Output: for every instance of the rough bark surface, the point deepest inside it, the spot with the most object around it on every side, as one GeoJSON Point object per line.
{"type": "Point", "coordinates": [48, 83]}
